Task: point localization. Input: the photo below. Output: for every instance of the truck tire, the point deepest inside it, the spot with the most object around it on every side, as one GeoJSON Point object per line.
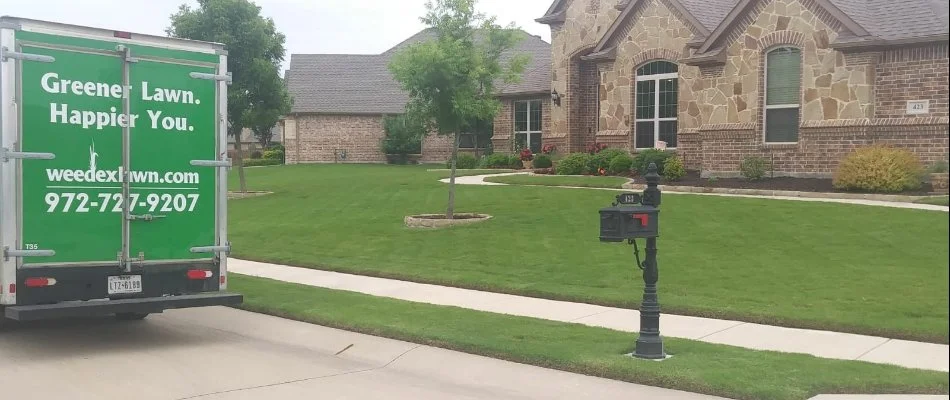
{"type": "Point", "coordinates": [130, 316]}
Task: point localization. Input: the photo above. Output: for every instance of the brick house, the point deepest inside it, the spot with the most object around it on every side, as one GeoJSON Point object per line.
{"type": "Point", "coordinates": [799, 82]}
{"type": "Point", "coordinates": [340, 101]}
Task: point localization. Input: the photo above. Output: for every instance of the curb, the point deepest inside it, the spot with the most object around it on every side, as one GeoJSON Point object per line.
{"type": "Point", "coordinates": [782, 193]}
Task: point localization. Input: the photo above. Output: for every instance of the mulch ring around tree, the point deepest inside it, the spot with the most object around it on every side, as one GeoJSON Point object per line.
{"type": "Point", "coordinates": [822, 185]}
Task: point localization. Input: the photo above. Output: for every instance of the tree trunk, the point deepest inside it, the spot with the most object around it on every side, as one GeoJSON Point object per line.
{"type": "Point", "coordinates": [239, 159]}
{"type": "Point", "coordinates": [450, 210]}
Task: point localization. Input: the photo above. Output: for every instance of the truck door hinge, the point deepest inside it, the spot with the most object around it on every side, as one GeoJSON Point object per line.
{"type": "Point", "coordinates": [8, 253]}
{"type": "Point", "coordinates": [211, 77]}
{"type": "Point", "coordinates": [7, 155]}
{"type": "Point", "coordinates": [226, 249]}
{"type": "Point", "coordinates": [6, 54]}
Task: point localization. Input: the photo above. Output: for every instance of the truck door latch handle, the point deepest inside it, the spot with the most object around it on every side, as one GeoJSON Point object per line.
{"type": "Point", "coordinates": [146, 217]}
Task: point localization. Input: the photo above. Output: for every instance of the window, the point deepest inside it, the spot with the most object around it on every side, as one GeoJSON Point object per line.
{"type": "Point", "coordinates": [656, 97]}
{"type": "Point", "coordinates": [783, 80]}
{"type": "Point", "coordinates": [476, 135]}
{"type": "Point", "coordinates": [473, 141]}
{"type": "Point", "coordinates": [528, 125]}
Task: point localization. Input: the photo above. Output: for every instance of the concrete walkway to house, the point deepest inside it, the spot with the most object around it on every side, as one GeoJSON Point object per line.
{"type": "Point", "coordinates": [480, 180]}
{"type": "Point", "coordinates": [844, 346]}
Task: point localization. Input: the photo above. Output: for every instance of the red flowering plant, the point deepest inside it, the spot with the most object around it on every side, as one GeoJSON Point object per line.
{"type": "Point", "coordinates": [548, 149]}
{"type": "Point", "coordinates": [594, 148]}
{"type": "Point", "coordinates": [526, 154]}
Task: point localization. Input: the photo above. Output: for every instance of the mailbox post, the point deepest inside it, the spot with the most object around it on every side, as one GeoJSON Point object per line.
{"type": "Point", "coordinates": [632, 217]}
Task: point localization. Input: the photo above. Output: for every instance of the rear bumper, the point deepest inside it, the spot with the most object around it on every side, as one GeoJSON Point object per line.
{"type": "Point", "coordinates": [135, 305]}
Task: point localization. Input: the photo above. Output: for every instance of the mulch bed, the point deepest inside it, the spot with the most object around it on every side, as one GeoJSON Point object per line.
{"type": "Point", "coordinates": [822, 185]}
{"type": "Point", "coordinates": [692, 178]}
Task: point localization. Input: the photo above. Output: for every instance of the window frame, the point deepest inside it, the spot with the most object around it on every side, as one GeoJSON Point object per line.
{"type": "Point", "coordinates": [765, 95]}
{"type": "Point", "coordinates": [655, 78]}
{"type": "Point", "coordinates": [528, 132]}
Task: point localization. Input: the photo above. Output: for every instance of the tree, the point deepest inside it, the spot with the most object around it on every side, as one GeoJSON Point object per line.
{"type": "Point", "coordinates": [255, 51]}
{"type": "Point", "coordinates": [451, 79]}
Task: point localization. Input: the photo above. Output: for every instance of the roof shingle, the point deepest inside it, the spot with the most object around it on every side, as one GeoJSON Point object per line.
{"type": "Point", "coordinates": [363, 84]}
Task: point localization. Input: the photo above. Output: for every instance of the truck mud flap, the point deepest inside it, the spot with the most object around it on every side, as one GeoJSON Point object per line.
{"type": "Point", "coordinates": [104, 307]}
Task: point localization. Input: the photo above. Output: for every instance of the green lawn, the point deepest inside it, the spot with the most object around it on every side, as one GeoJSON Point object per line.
{"type": "Point", "coordinates": [609, 182]}
{"type": "Point", "coordinates": [697, 367]}
{"type": "Point", "coordinates": [935, 200]}
{"type": "Point", "coordinates": [861, 269]}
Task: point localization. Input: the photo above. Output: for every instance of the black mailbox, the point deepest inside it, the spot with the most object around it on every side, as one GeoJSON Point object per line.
{"type": "Point", "coordinates": [622, 222]}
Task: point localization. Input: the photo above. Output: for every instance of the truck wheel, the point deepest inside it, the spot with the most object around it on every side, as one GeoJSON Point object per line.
{"type": "Point", "coordinates": [130, 316]}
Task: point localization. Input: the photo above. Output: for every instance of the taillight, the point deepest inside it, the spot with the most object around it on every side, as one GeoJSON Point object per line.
{"type": "Point", "coordinates": [12, 288]}
{"type": "Point", "coordinates": [224, 279]}
{"type": "Point", "coordinates": [198, 274]}
{"type": "Point", "coordinates": [39, 282]}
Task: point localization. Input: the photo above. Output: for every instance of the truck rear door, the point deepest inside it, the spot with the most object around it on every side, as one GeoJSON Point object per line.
{"type": "Point", "coordinates": [133, 187]}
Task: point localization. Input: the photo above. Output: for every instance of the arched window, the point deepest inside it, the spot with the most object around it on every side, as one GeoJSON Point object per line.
{"type": "Point", "coordinates": [656, 96]}
{"type": "Point", "coordinates": [783, 81]}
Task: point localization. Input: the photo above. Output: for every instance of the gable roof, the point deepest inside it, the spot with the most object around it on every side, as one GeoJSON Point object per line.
{"type": "Point", "coordinates": [363, 84]}
{"type": "Point", "coordinates": [865, 22]}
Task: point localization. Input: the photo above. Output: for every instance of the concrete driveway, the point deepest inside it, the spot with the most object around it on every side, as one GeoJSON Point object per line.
{"type": "Point", "coordinates": [222, 354]}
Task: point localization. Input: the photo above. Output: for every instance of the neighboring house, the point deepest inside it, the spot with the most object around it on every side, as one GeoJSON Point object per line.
{"type": "Point", "coordinates": [340, 101]}
{"type": "Point", "coordinates": [249, 142]}
{"type": "Point", "coordinates": [799, 82]}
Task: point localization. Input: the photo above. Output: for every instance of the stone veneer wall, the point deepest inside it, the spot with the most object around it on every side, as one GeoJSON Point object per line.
{"type": "Point", "coordinates": [654, 32]}
{"type": "Point", "coordinates": [585, 24]}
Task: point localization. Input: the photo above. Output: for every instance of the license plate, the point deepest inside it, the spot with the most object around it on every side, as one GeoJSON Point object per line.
{"type": "Point", "coordinates": [125, 284]}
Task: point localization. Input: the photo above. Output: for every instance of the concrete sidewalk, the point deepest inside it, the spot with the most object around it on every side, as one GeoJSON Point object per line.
{"type": "Point", "coordinates": [844, 346]}
{"type": "Point", "coordinates": [480, 180]}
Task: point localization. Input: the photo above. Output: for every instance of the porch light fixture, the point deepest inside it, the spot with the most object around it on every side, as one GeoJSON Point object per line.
{"type": "Point", "coordinates": [556, 98]}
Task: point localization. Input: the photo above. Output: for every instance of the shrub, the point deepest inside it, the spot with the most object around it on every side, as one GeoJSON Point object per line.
{"type": "Point", "coordinates": [403, 136]}
{"type": "Point", "coordinates": [256, 154]}
{"type": "Point", "coordinates": [938, 167]}
{"type": "Point", "coordinates": [526, 154]}
{"type": "Point", "coordinates": [601, 160]}
{"type": "Point", "coordinates": [542, 161]}
{"type": "Point", "coordinates": [643, 159]}
{"type": "Point", "coordinates": [573, 164]}
{"type": "Point", "coordinates": [514, 161]}
{"type": "Point", "coordinates": [878, 169]}
{"type": "Point", "coordinates": [620, 164]}
{"type": "Point", "coordinates": [274, 154]}
{"type": "Point", "coordinates": [673, 169]}
{"type": "Point", "coordinates": [754, 167]}
{"type": "Point", "coordinates": [260, 162]}
{"type": "Point", "coordinates": [496, 160]}
{"type": "Point", "coordinates": [594, 148]}
{"type": "Point", "coordinates": [548, 149]}
{"type": "Point", "coordinates": [464, 161]}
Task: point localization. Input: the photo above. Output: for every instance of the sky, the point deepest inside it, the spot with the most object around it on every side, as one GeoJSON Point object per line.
{"type": "Point", "coordinates": [311, 26]}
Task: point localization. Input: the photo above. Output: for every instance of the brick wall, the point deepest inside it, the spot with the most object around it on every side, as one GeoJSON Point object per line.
{"type": "Point", "coordinates": [324, 139]}
{"type": "Point", "coordinates": [584, 84]}
{"type": "Point", "coordinates": [436, 148]}
{"type": "Point", "coordinates": [503, 137]}
{"type": "Point", "coordinates": [914, 73]}
{"type": "Point", "coordinates": [822, 144]}
{"type": "Point", "coordinates": [689, 146]}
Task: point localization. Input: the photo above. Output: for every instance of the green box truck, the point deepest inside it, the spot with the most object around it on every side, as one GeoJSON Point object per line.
{"type": "Point", "coordinates": [113, 172]}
